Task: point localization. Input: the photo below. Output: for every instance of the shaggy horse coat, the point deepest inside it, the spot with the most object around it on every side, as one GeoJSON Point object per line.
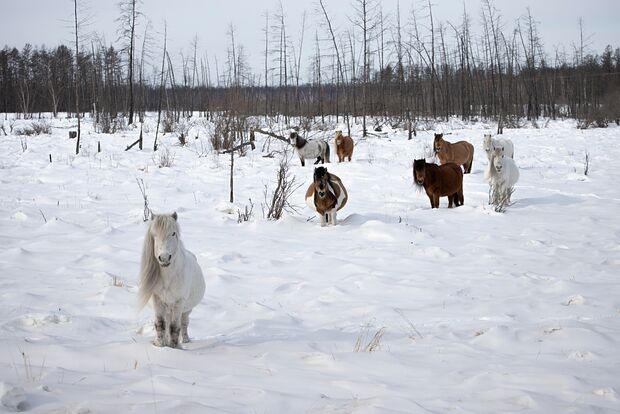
{"type": "Point", "coordinates": [444, 180]}
{"type": "Point", "coordinates": [501, 174]}
{"type": "Point", "coordinates": [326, 195]}
{"type": "Point", "coordinates": [344, 146]}
{"type": "Point", "coordinates": [318, 148]}
{"type": "Point", "coordinates": [170, 279]}
{"type": "Point", "coordinates": [461, 153]}
{"type": "Point", "coordinates": [504, 144]}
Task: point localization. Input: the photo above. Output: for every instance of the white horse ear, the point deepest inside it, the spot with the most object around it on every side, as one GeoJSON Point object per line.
{"type": "Point", "coordinates": [175, 216]}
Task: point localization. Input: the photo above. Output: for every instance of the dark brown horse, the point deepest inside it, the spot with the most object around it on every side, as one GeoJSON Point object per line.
{"type": "Point", "coordinates": [326, 195]}
{"type": "Point", "coordinates": [444, 180]}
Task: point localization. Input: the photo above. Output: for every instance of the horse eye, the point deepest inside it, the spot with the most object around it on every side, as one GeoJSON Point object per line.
{"type": "Point", "coordinates": [174, 234]}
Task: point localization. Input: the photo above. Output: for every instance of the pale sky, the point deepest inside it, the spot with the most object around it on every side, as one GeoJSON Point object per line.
{"type": "Point", "coordinates": [48, 22]}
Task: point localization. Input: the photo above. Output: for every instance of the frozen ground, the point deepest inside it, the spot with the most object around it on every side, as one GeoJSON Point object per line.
{"type": "Point", "coordinates": [481, 311]}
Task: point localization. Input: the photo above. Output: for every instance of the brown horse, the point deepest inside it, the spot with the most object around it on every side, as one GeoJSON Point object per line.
{"type": "Point", "coordinates": [344, 146]}
{"type": "Point", "coordinates": [444, 180]}
{"type": "Point", "coordinates": [461, 153]}
{"type": "Point", "coordinates": [326, 195]}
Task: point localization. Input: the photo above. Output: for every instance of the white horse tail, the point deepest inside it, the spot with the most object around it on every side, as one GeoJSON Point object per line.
{"type": "Point", "coordinates": [149, 271]}
{"type": "Point", "coordinates": [326, 151]}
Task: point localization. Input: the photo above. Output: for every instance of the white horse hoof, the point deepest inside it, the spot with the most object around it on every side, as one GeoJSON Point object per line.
{"type": "Point", "coordinates": [158, 343]}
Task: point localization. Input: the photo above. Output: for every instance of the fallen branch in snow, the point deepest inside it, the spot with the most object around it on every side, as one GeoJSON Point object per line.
{"type": "Point", "coordinates": [238, 147]}
{"type": "Point", "coordinates": [271, 134]}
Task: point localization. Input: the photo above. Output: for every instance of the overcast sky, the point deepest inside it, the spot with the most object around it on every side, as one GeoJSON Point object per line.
{"type": "Point", "coordinates": [47, 22]}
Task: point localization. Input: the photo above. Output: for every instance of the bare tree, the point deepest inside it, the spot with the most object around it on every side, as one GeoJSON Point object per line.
{"type": "Point", "coordinates": [161, 85]}
{"type": "Point", "coordinates": [127, 32]}
{"type": "Point", "coordinates": [366, 20]}
{"type": "Point", "coordinates": [340, 78]}
{"type": "Point", "coordinates": [77, 75]}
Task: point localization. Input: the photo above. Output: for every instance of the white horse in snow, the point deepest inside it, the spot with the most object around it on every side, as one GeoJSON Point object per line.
{"type": "Point", "coordinates": [310, 148]}
{"type": "Point", "coordinates": [504, 144]}
{"type": "Point", "coordinates": [170, 278]}
{"type": "Point", "coordinates": [502, 174]}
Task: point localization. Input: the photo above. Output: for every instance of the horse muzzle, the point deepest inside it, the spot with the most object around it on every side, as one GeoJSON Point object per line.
{"type": "Point", "coordinates": [321, 194]}
{"type": "Point", "coordinates": [163, 262]}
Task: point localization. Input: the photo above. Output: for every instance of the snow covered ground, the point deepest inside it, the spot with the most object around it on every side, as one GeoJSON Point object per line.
{"type": "Point", "coordinates": [479, 311]}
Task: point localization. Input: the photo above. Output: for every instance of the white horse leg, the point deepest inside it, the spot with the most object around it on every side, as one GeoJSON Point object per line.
{"type": "Point", "coordinates": [175, 324]}
{"type": "Point", "coordinates": [332, 217]}
{"type": "Point", "coordinates": [494, 194]}
{"type": "Point", "coordinates": [184, 324]}
{"type": "Point", "coordinates": [160, 321]}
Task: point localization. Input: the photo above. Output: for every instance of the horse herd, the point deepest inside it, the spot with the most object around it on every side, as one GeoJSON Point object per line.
{"type": "Point", "coordinates": [326, 194]}
{"type": "Point", "coordinates": [171, 278]}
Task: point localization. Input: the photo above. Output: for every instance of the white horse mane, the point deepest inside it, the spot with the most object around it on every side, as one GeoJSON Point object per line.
{"type": "Point", "coordinates": [149, 269]}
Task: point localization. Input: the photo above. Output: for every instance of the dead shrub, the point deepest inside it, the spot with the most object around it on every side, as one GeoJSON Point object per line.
{"type": "Point", "coordinates": [164, 158]}
{"type": "Point", "coordinates": [276, 201]}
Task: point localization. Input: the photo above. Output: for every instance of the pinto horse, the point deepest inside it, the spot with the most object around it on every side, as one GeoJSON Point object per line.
{"type": "Point", "coordinates": [326, 195]}
{"type": "Point", "coordinates": [461, 153]}
{"type": "Point", "coordinates": [444, 180]}
{"type": "Point", "coordinates": [311, 148]}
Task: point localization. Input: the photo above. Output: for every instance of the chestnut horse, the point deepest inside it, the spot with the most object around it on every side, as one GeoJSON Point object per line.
{"type": "Point", "coordinates": [326, 195]}
{"type": "Point", "coordinates": [344, 146]}
{"type": "Point", "coordinates": [461, 153]}
{"type": "Point", "coordinates": [444, 180]}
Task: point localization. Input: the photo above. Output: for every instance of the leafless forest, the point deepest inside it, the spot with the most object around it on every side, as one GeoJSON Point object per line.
{"type": "Point", "coordinates": [399, 67]}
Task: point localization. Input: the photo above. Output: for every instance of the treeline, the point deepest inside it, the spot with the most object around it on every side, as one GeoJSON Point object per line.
{"type": "Point", "coordinates": [440, 70]}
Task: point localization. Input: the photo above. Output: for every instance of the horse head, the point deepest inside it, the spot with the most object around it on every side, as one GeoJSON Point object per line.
{"type": "Point", "coordinates": [498, 161]}
{"type": "Point", "coordinates": [487, 143]}
{"type": "Point", "coordinates": [296, 140]}
{"type": "Point", "coordinates": [419, 171]}
{"type": "Point", "coordinates": [438, 143]}
{"type": "Point", "coordinates": [338, 137]}
{"type": "Point", "coordinates": [321, 181]}
{"type": "Point", "coordinates": [164, 230]}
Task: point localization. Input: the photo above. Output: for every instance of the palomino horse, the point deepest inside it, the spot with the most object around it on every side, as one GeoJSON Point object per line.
{"type": "Point", "coordinates": [461, 153]}
{"type": "Point", "coordinates": [504, 144]}
{"type": "Point", "coordinates": [344, 146]}
{"type": "Point", "coordinates": [444, 180]}
{"type": "Point", "coordinates": [326, 195]}
{"type": "Point", "coordinates": [170, 278]}
{"type": "Point", "coordinates": [501, 174]}
{"type": "Point", "coordinates": [311, 148]}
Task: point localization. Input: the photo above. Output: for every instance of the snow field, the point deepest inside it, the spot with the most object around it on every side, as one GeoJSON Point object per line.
{"type": "Point", "coordinates": [482, 311]}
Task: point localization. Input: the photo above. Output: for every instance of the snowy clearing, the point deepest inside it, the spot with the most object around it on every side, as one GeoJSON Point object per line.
{"type": "Point", "coordinates": [473, 311]}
